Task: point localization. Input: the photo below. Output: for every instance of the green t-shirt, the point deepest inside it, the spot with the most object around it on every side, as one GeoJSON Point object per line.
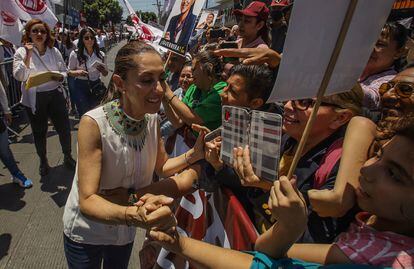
{"type": "Point", "coordinates": [207, 105]}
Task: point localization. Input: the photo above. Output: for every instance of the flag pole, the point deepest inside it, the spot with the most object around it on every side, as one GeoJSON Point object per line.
{"type": "Point", "coordinates": [324, 84]}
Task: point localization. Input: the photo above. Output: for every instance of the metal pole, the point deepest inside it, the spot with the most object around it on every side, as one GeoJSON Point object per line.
{"type": "Point", "coordinates": [206, 3]}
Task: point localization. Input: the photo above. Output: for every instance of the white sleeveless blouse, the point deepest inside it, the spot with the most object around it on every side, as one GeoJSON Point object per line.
{"type": "Point", "coordinates": [122, 166]}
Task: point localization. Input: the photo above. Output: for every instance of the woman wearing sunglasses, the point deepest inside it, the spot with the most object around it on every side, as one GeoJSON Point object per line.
{"type": "Point", "coordinates": [397, 98]}
{"type": "Point", "coordinates": [46, 100]}
{"type": "Point", "coordinates": [86, 65]}
{"type": "Point", "coordinates": [318, 165]}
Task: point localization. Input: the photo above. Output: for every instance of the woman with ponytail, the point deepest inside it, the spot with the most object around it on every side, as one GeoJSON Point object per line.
{"type": "Point", "coordinates": [119, 149]}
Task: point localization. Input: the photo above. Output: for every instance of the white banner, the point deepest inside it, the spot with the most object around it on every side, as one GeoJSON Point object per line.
{"type": "Point", "coordinates": [29, 9]}
{"type": "Point", "coordinates": [10, 27]}
{"type": "Point", "coordinates": [313, 31]}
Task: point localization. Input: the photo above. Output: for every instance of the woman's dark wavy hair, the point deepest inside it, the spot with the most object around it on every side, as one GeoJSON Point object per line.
{"type": "Point", "coordinates": [124, 62]}
{"type": "Point", "coordinates": [399, 34]}
{"type": "Point", "coordinates": [258, 80]}
{"type": "Point", "coordinates": [81, 45]}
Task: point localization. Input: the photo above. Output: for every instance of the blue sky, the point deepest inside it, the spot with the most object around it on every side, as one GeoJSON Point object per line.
{"type": "Point", "coordinates": [148, 5]}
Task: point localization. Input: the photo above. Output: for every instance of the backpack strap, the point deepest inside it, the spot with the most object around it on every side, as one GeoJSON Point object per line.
{"type": "Point", "coordinates": [331, 157]}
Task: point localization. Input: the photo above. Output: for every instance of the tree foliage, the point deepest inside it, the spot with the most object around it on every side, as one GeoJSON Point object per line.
{"type": "Point", "coordinates": [144, 16]}
{"type": "Point", "coordinates": [100, 12]}
{"type": "Point", "coordinates": [147, 16]}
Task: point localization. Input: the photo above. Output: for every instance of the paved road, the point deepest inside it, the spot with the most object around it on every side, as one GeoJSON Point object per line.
{"type": "Point", "coordinates": [31, 220]}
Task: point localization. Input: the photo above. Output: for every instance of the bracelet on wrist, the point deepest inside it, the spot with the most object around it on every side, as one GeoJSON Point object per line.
{"type": "Point", "coordinates": [186, 159]}
{"type": "Point", "coordinates": [170, 99]}
{"type": "Point", "coordinates": [126, 217]}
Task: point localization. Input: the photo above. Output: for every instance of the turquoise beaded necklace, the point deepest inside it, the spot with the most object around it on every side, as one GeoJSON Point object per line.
{"type": "Point", "coordinates": [133, 132]}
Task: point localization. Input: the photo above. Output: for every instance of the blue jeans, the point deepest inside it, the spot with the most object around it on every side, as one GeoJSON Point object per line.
{"type": "Point", "coordinates": [85, 256]}
{"type": "Point", "coordinates": [82, 96]}
{"type": "Point", "coordinates": [6, 156]}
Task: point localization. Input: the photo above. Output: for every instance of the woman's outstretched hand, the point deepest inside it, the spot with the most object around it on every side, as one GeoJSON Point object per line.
{"type": "Point", "coordinates": [252, 56]}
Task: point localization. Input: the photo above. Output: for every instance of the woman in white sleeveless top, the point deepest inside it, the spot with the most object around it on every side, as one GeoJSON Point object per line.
{"type": "Point", "coordinates": [119, 148]}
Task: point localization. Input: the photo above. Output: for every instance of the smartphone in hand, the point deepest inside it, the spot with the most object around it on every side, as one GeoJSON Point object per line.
{"type": "Point", "coordinates": [212, 135]}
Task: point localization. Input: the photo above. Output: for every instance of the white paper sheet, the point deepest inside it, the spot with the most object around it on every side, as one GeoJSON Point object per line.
{"type": "Point", "coordinates": [313, 31]}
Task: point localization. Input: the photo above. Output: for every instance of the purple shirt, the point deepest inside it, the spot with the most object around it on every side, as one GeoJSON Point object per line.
{"type": "Point", "coordinates": [370, 87]}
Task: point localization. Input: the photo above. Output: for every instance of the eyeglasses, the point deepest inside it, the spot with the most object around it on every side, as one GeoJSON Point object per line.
{"type": "Point", "coordinates": [305, 104]}
{"type": "Point", "coordinates": [36, 31]}
{"type": "Point", "coordinates": [88, 38]}
{"type": "Point", "coordinates": [186, 76]}
{"type": "Point", "coordinates": [402, 89]}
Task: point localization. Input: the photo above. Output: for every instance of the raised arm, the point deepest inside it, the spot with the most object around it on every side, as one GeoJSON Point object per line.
{"type": "Point", "coordinates": [171, 115]}
{"type": "Point", "coordinates": [183, 112]}
{"type": "Point", "coordinates": [166, 166]}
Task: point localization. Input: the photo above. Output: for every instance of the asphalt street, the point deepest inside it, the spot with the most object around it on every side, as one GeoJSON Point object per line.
{"type": "Point", "coordinates": [31, 229]}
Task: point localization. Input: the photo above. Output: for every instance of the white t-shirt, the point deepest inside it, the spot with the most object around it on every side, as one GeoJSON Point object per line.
{"type": "Point", "coordinates": [101, 41]}
{"type": "Point", "coordinates": [74, 64]}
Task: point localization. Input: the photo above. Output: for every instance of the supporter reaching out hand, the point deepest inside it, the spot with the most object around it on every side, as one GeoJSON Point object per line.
{"type": "Point", "coordinates": [253, 56]}
{"type": "Point", "coordinates": [212, 153]}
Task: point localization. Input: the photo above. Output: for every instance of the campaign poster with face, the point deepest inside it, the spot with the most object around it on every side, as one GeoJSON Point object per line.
{"type": "Point", "coordinates": [207, 19]}
{"type": "Point", "coordinates": [180, 25]}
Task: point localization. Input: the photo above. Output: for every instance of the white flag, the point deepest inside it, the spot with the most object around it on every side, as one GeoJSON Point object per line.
{"type": "Point", "coordinates": [145, 31]}
{"type": "Point", "coordinates": [10, 27]}
{"type": "Point", "coordinates": [30, 9]}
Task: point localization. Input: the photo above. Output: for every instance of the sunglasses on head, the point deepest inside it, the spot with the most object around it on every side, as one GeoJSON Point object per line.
{"type": "Point", "coordinates": [36, 31]}
{"type": "Point", "coordinates": [305, 104]}
{"type": "Point", "coordinates": [402, 89]}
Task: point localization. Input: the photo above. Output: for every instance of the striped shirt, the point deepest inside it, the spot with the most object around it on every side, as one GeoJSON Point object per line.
{"type": "Point", "coordinates": [365, 245]}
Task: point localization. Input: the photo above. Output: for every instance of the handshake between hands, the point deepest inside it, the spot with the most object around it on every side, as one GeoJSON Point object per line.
{"type": "Point", "coordinates": [153, 213]}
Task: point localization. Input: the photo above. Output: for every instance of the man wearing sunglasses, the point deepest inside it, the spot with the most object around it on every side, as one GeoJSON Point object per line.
{"type": "Point", "coordinates": [397, 96]}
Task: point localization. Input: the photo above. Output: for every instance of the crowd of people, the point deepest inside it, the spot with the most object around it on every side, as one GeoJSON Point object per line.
{"type": "Point", "coordinates": [141, 146]}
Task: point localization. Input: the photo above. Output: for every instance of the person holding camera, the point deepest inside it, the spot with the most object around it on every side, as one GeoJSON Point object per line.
{"type": "Point", "coordinates": [48, 99]}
